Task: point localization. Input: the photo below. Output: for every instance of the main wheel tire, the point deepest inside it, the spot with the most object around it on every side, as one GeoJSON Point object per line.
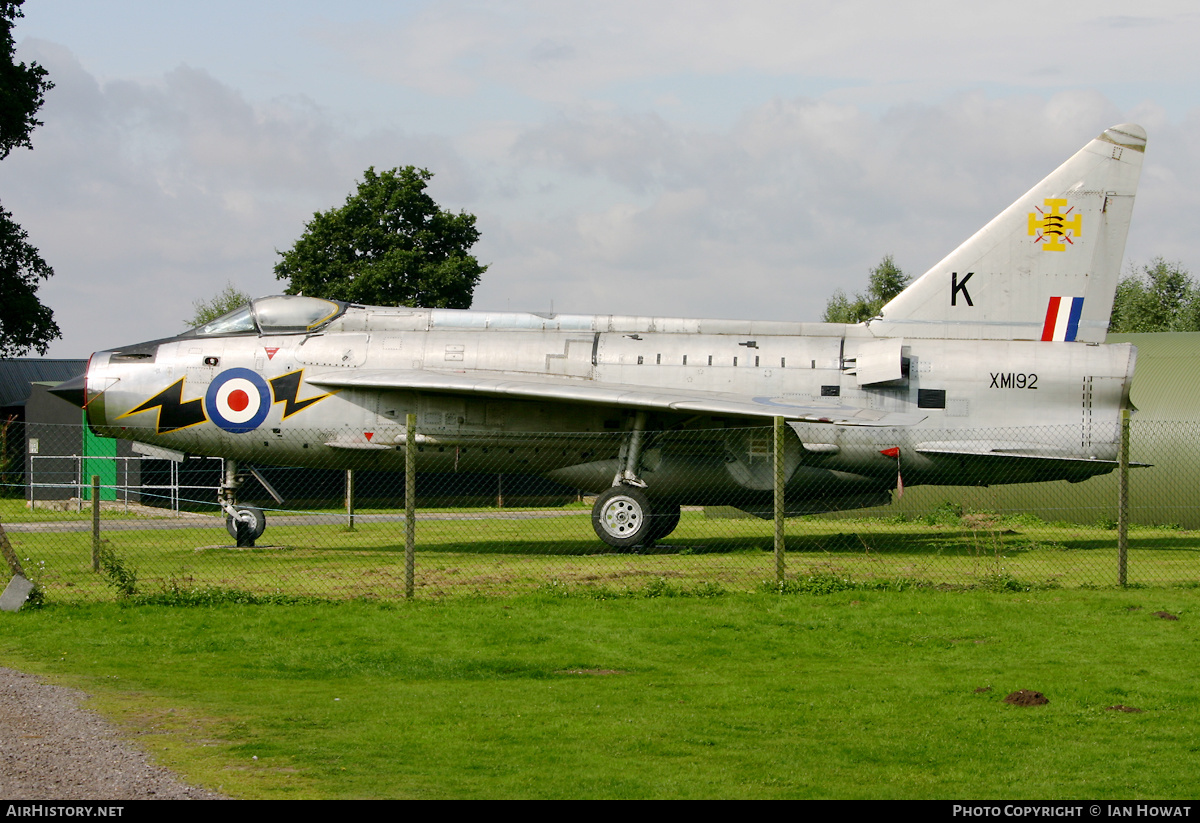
{"type": "Point", "coordinates": [622, 517]}
{"type": "Point", "coordinates": [258, 522]}
{"type": "Point", "coordinates": [663, 520]}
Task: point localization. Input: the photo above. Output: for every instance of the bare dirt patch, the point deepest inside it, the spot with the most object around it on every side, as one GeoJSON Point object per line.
{"type": "Point", "coordinates": [1027, 697]}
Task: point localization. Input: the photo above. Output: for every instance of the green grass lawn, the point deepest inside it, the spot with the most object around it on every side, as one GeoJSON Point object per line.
{"type": "Point", "coordinates": [518, 554]}
{"type": "Point", "coordinates": [570, 693]}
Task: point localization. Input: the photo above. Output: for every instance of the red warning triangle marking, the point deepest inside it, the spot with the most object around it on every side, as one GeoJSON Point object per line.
{"type": "Point", "coordinates": [271, 352]}
{"type": "Point", "coordinates": [369, 435]}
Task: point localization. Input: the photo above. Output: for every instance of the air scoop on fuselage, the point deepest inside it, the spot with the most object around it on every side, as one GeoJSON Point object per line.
{"type": "Point", "coordinates": [136, 353]}
{"type": "Point", "coordinates": [106, 369]}
{"type": "Point", "coordinates": [75, 390]}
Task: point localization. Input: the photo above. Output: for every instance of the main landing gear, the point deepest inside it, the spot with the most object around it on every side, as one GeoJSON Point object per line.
{"type": "Point", "coordinates": [624, 516]}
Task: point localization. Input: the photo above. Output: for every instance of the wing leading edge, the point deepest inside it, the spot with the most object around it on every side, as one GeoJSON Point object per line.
{"type": "Point", "coordinates": [538, 387]}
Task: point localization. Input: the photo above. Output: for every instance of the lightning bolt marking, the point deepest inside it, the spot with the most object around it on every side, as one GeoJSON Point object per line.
{"type": "Point", "coordinates": [173, 413]}
{"type": "Point", "coordinates": [286, 387]}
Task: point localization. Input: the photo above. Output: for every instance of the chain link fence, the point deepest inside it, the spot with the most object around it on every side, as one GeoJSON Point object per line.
{"type": "Point", "coordinates": [869, 505]}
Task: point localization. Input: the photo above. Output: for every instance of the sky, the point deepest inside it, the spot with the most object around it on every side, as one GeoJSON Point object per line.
{"type": "Point", "coordinates": [690, 159]}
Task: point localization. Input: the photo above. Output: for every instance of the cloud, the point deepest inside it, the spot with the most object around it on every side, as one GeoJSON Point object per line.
{"type": "Point", "coordinates": [564, 53]}
{"type": "Point", "coordinates": [799, 197]}
{"type": "Point", "coordinates": [145, 196]}
{"type": "Point", "coordinates": [148, 194]}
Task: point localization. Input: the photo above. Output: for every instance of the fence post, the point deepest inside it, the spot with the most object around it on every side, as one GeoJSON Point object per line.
{"type": "Point", "coordinates": [1123, 501]}
{"type": "Point", "coordinates": [95, 522]}
{"type": "Point", "coordinates": [780, 507]}
{"type": "Point", "coordinates": [11, 556]}
{"type": "Point", "coordinates": [350, 499]}
{"type": "Point", "coordinates": [410, 502]}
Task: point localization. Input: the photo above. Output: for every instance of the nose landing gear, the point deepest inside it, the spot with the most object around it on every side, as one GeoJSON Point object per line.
{"type": "Point", "coordinates": [245, 524]}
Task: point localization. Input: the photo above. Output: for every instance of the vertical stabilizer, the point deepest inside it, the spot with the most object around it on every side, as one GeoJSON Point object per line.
{"type": "Point", "coordinates": [1046, 268]}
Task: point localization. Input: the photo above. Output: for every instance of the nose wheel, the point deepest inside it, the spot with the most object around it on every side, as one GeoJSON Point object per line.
{"type": "Point", "coordinates": [245, 524]}
{"type": "Point", "coordinates": [253, 521]}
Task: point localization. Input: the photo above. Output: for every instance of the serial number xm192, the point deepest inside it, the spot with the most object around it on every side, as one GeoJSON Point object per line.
{"type": "Point", "coordinates": [1013, 380]}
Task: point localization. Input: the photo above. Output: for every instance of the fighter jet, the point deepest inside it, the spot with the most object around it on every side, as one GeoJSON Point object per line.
{"type": "Point", "coordinates": [1005, 334]}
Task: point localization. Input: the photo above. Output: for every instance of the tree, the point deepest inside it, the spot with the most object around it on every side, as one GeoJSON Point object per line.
{"type": "Point", "coordinates": [205, 311]}
{"type": "Point", "coordinates": [24, 322]}
{"type": "Point", "coordinates": [389, 245]}
{"type": "Point", "coordinates": [884, 282]}
{"type": "Point", "coordinates": [1160, 297]}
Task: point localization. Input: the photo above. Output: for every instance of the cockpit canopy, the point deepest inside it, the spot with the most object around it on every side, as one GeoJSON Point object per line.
{"type": "Point", "coordinates": [279, 314]}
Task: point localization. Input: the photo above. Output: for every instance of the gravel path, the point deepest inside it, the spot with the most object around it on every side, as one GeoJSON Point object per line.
{"type": "Point", "coordinates": [51, 749]}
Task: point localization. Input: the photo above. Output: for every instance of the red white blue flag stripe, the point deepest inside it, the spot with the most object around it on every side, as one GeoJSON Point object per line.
{"type": "Point", "coordinates": [1062, 318]}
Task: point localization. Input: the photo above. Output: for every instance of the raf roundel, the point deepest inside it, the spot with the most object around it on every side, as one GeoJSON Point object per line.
{"type": "Point", "coordinates": [238, 400]}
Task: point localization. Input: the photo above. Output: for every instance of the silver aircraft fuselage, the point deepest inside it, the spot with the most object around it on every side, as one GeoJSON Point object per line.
{"type": "Point", "coordinates": [990, 368]}
{"type": "Point", "coordinates": [319, 406]}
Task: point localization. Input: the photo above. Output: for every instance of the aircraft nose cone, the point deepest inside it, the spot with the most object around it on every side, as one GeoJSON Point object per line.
{"type": "Point", "coordinates": [73, 390]}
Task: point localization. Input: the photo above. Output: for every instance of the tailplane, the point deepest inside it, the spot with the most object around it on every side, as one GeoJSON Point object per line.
{"type": "Point", "coordinates": [1046, 268]}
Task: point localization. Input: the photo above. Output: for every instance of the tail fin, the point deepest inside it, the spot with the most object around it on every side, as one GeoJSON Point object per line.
{"type": "Point", "coordinates": [1046, 268]}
